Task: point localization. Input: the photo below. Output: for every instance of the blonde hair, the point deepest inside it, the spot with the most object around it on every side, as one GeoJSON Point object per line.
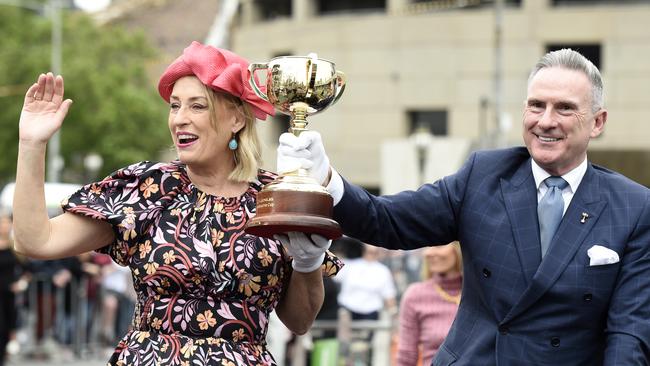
{"type": "Point", "coordinates": [248, 157]}
{"type": "Point", "coordinates": [426, 272]}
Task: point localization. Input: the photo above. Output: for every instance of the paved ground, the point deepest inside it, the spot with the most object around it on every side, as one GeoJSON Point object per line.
{"type": "Point", "coordinates": [51, 353]}
{"type": "Point", "coordinates": [61, 356]}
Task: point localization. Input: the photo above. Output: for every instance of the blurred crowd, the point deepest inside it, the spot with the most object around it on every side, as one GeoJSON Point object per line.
{"type": "Point", "coordinates": [385, 307]}
{"type": "Point", "coordinates": [82, 303]}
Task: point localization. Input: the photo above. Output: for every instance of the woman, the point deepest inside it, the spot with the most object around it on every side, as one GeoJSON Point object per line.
{"type": "Point", "coordinates": [428, 308]}
{"type": "Point", "coordinates": [205, 288]}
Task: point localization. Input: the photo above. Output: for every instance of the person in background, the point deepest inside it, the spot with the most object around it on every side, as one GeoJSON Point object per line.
{"type": "Point", "coordinates": [116, 305]}
{"type": "Point", "coordinates": [205, 287]}
{"type": "Point", "coordinates": [366, 285]}
{"type": "Point", "coordinates": [428, 308]}
{"type": "Point", "coordinates": [91, 267]}
{"type": "Point", "coordinates": [9, 267]}
{"type": "Point", "coordinates": [366, 288]}
{"type": "Point", "coordinates": [65, 282]}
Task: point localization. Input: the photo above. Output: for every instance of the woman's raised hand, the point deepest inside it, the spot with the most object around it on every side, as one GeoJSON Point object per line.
{"type": "Point", "coordinates": [43, 110]}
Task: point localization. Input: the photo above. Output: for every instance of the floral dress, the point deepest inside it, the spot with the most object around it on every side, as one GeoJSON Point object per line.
{"type": "Point", "coordinates": [205, 287]}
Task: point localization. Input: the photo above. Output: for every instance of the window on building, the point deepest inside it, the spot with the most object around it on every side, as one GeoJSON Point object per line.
{"type": "Point", "coordinates": [344, 6]}
{"type": "Point", "coordinates": [465, 3]}
{"type": "Point", "coordinates": [271, 9]}
{"type": "Point", "coordinates": [592, 51]}
{"type": "Point", "coordinates": [594, 2]}
{"type": "Point", "coordinates": [433, 121]}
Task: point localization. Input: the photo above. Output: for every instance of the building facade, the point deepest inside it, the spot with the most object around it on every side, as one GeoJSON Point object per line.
{"type": "Point", "coordinates": [447, 66]}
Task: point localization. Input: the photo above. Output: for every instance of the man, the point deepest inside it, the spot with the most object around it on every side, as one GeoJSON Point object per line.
{"type": "Point", "coordinates": [575, 293]}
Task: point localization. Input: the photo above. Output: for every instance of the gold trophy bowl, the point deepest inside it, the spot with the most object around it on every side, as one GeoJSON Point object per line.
{"type": "Point", "coordinates": [298, 86]}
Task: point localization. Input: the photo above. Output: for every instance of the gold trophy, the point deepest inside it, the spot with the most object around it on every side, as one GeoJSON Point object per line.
{"type": "Point", "coordinates": [298, 86]}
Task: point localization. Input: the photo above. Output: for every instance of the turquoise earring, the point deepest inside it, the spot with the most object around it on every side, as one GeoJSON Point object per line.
{"type": "Point", "coordinates": [232, 144]}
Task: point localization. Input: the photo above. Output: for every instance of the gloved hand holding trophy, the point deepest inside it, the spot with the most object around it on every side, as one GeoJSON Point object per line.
{"type": "Point", "coordinates": [298, 86]}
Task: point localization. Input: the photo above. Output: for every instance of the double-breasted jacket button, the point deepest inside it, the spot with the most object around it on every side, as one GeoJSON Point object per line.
{"type": "Point", "coordinates": [486, 273]}
{"type": "Point", "coordinates": [587, 297]}
{"type": "Point", "coordinates": [503, 329]}
{"type": "Point", "coordinates": [555, 342]}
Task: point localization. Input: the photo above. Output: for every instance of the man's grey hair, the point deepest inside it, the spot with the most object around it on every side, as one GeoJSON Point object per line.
{"type": "Point", "coordinates": [573, 60]}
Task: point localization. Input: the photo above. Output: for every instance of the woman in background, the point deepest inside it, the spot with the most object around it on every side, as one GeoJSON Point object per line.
{"type": "Point", "coordinates": [428, 308]}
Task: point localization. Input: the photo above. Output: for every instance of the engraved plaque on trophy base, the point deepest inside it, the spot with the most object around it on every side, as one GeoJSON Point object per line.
{"type": "Point", "coordinates": [281, 208]}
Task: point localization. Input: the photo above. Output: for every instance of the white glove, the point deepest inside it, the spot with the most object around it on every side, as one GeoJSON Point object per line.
{"type": "Point", "coordinates": [308, 252]}
{"type": "Point", "coordinates": [305, 151]}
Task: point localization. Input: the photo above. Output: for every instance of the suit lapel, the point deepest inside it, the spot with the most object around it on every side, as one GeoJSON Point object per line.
{"type": "Point", "coordinates": [519, 195]}
{"type": "Point", "coordinates": [566, 241]}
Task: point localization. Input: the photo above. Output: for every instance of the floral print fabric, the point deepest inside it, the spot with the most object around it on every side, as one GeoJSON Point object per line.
{"type": "Point", "coordinates": [205, 287]}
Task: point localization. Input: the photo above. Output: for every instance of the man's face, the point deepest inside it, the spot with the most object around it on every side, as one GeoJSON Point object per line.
{"type": "Point", "coordinates": [558, 119]}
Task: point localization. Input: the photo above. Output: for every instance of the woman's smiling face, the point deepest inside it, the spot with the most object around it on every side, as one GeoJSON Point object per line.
{"type": "Point", "coordinates": [441, 259]}
{"type": "Point", "coordinates": [196, 138]}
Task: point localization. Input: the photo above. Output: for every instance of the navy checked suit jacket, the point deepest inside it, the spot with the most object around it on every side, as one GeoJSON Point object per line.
{"type": "Point", "coordinates": [517, 309]}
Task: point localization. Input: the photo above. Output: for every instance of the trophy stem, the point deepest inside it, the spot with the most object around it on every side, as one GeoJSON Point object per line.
{"type": "Point", "coordinates": [298, 119]}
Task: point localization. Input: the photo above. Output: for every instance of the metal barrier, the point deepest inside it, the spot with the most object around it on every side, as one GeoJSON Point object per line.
{"type": "Point", "coordinates": [58, 322]}
{"type": "Point", "coordinates": [63, 323]}
{"type": "Point", "coordinates": [357, 343]}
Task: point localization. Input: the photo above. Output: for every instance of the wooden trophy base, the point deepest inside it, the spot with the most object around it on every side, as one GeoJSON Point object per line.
{"type": "Point", "coordinates": [286, 205]}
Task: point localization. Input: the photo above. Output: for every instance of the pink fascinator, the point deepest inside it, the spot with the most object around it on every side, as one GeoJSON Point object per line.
{"type": "Point", "coordinates": [220, 70]}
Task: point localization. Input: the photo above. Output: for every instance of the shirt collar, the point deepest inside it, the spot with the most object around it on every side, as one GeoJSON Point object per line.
{"type": "Point", "coordinates": [574, 177]}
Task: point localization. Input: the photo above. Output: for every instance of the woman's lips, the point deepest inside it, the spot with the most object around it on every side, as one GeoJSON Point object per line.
{"type": "Point", "coordinates": [186, 139]}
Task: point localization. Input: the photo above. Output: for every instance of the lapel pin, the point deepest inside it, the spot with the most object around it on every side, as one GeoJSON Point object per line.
{"type": "Point", "coordinates": [584, 218]}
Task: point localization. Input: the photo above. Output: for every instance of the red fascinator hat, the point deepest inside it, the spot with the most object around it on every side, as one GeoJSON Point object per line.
{"type": "Point", "coordinates": [220, 70]}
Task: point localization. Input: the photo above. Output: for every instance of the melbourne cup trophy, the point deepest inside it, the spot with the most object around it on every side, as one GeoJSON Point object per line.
{"type": "Point", "coordinates": [298, 86]}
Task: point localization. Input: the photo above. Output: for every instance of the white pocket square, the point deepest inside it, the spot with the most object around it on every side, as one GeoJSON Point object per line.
{"type": "Point", "coordinates": [599, 255]}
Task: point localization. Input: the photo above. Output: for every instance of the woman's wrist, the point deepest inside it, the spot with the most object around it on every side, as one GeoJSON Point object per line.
{"type": "Point", "coordinates": [32, 146]}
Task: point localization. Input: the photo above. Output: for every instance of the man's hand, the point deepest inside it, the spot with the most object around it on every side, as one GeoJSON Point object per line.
{"type": "Point", "coordinates": [308, 251]}
{"type": "Point", "coordinates": [305, 151]}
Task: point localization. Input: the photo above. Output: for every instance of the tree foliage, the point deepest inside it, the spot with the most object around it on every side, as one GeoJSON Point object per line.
{"type": "Point", "coordinates": [116, 113]}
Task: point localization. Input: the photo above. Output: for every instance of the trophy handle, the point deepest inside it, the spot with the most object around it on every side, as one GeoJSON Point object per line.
{"type": "Point", "coordinates": [340, 77]}
{"type": "Point", "coordinates": [252, 68]}
{"type": "Point", "coordinates": [312, 69]}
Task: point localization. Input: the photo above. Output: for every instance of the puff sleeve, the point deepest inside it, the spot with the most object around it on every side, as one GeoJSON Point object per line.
{"type": "Point", "coordinates": [129, 200]}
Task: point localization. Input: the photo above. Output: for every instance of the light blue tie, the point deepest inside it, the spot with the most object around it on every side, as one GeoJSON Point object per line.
{"type": "Point", "coordinates": [550, 210]}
